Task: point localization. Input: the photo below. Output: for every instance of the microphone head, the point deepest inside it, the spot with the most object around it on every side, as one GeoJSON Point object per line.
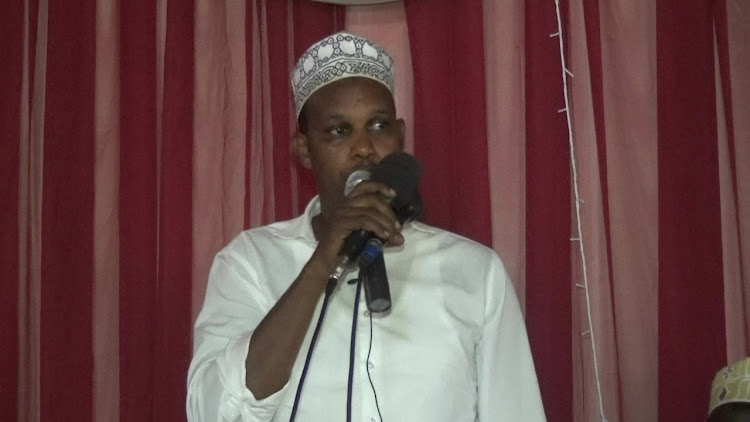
{"type": "Point", "coordinates": [354, 179]}
{"type": "Point", "coordinates": [399, 171]}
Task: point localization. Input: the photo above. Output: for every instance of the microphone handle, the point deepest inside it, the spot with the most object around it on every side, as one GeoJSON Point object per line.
{"type": "Point", "coordinates": [354, 244]}
{"type": "Point", "coordinates": [377, 291]}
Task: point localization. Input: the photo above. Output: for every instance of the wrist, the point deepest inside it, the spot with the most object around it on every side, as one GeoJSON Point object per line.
{"type": "Point", "coordinates": [318, 268]}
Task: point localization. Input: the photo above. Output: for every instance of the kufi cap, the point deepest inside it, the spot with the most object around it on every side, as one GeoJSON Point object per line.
{"type": "Point", "coordinates": [731, 384]}
{"type": "Point", "coordinates": [338, 56]}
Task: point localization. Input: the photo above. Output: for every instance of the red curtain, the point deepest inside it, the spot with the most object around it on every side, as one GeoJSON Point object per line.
{"type": "Point", "coordinates": [690, 250]}
{"type": "Point", "coordinates": [10, 87]}
{"type": "Point", "coordinates": [67, 221]}
{"type": "Point", "coordinates": [138, 139]}
{"type": "Point", "coordinates": [137, 209]}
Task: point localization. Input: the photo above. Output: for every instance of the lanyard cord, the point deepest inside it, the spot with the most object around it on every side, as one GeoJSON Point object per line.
{"type": "Point", "coordinates": [329, 289]}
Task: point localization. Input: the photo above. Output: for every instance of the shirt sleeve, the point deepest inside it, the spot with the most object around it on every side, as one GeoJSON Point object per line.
{"type": "Point", "coordinates": [234, 306]}
{"type": "Point", "coordinates": [507, 382]}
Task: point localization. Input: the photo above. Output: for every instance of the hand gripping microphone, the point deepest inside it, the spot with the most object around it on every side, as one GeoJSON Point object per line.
{"type": "Point", "coordinates": [399, 171]}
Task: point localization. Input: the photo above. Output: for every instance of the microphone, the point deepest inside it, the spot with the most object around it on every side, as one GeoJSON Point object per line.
{"type": "Point", "coordinates": [377, 291]}
{"type": "Point", "coordinates": [400, 171]}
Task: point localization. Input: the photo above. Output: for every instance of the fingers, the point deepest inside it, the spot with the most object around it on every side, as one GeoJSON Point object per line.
{"type": "Point", "coordinates": [374, 219]}
{"type": "Point", "coordinates": [367, 207]}
{"type": "Point", "coordinates": [369, 203]}
{"type": "Point", "coordinates": [366, 187]}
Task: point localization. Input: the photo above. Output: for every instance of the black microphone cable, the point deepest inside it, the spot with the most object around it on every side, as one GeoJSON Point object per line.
{"type": "Point", "coordinates": [329, 289]}
{"type": "Point", "coordinates": [352, 343]}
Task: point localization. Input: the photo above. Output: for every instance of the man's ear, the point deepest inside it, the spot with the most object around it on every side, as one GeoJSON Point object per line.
{"type": "Point", "coordinates": [300, 147]}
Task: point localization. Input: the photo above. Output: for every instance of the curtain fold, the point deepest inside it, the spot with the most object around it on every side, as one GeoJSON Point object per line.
{"type": "Point", "coordinates": [625, 113]}
{"type": "Point", "coordinates": [736, 92]}
{"type": "Point", "coordinates": [66, 344]}
{"type": "Point", "coordinates": [172, 325]}
{"type": "Point", "coordinates": [138, 186]}
{"type": "Point", "coordinates": [690, 252]}
{"type": "Point", "coordinates": [138, 139]}
{"type": "Point", "coordinates": [504, 47]}
{"type": "Point", "coordinates": [549, 283]}
{"type": "Point", "coordinates": [106, 309]}
{"type": "Point", "coordinates": [11, 88]}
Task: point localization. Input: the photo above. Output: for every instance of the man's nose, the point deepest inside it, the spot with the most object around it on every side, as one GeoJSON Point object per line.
{"type": "Point", "coordinates": [363, 145]}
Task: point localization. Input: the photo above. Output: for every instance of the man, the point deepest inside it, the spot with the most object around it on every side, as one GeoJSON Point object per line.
{"type": "Point", "coordinates": [730, 394]}
{"type": "Point", "coordinates": [452, 348]}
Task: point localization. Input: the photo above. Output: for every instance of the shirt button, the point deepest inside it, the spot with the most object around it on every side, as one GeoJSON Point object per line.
{"type": "Point", "coordinates": [370, 364]}
{"type": "Point", "coordinates": [367, 313]}
{"type": "Point", "coordinates": [373, 420]}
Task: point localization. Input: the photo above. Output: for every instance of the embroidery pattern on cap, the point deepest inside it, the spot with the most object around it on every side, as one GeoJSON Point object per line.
{"type": "Point", "coordinates": [336, 57]}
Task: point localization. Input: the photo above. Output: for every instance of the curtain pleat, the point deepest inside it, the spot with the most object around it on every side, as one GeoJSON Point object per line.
{"type": "Point", "coordinates": [30, 204]}
{"type": "Point", "coordinates": [106, 310]}
{"type": "Point", "coordinates": [137, 212]}
{"type": "Point", "coordinates": [67, 214]}
{"type": "Point", "coordinates": [139, 138]}
{"type": "Point", "coordinates": [219, 138]}
{"type": "Point", "coordinates": [548, 214]}
{"type": "Point", "coordinates": [734, 296]}
{"type": "Point", "coordinates": [11, 88]}
{"type": "Point", "coordinates": [690, 254]}
{"type": "Point", "coordinates": [595, 383]}
{"type": "Point", "coordinates": [506, 138]}
{"type": "Point", "coordinates": [627, 150]}
{"type": "Point", "coordinates": [738, 65]}
{"type": "Point", "coordinates": [172, 324]}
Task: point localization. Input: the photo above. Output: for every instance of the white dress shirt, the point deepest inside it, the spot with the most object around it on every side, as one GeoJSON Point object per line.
{"type": "Point", "coordinates": [452, 348]}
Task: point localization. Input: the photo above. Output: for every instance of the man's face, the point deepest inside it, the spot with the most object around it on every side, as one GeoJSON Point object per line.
{"type": "Point", "coordinates": [351, 125]}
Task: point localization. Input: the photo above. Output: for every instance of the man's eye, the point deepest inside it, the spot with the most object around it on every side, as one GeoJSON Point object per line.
{"type": "Point", "coordinates": [379, 125]}
{"type": "Point", "coordinates": [339, 130]}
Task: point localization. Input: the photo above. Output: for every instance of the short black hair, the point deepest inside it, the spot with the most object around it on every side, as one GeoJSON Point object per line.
{"type": "Point", "coordinates": [302, 120]}
{"type": "Point", "coordinates": [732, 411]}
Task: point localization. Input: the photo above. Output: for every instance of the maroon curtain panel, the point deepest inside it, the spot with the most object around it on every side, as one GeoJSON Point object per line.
{"type": "Point", "coordinates": [450, 120]}
{"type": "Point", "coordinates": [68, 214]}
{"type": "Point", "coordinates": [548, 218]}
{"type": "Point", "coordinates": [138, 285]}
{"type": "Point", "coordinates": [173, 300]}
{"type": "Point", "coordinates": [11, 43]}
{"type": "Point", "coordinates": [692, 343]}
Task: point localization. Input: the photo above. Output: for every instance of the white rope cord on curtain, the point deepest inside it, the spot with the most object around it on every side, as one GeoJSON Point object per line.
{"type": "Point", "coordinates": [578, 202]}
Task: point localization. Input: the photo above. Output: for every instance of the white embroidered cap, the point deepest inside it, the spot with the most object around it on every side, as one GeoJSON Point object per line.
{"type": "Point", "coordinates": [338, 56]}
{"type": "Point", "coordinates": [731, 384]}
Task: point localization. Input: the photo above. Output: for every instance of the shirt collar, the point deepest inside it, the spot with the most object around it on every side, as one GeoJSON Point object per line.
{"type": "Point", "coordinates": [301, 227]}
